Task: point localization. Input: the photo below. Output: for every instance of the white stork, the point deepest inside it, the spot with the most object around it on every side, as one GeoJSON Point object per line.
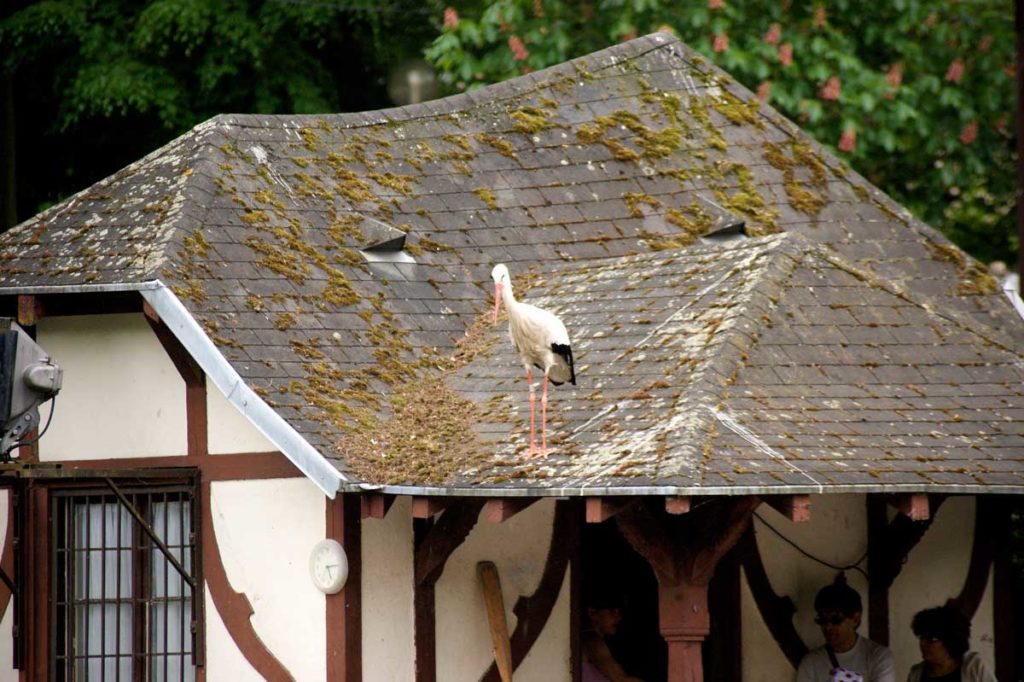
{"type": "Point", "coordinates": [541, 340]}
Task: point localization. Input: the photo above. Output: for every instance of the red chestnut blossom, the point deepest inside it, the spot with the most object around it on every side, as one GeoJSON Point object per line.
{"type": "Point", "coordinates": [721, 42]}
{"type": "Point", "coordinates": [764, 91]}
{"type": "Point", "coordinates": [970, 132]}
{"type": "Point", "coordinates": [451, 17]}
{"type": "Point", "coordinates": [895, 75]}
{"type": "Point", "coordinates": [716, 4]}
{"type": "Point", "coordinates": [820, 16]}
{"type": "Point", "coordinates": [830, 91]}
{"type": "Point", "coordinates": [786, 54]}
{"type": "Point", "coordinates": [985, 44]}
{"type": "Point", "coordinates": [773, 34]}
{"type": "Point", "coordinates": [848, 140]}
{"type": "Point", "coordinates": [519, 51]}
{"type": "Point", "coordinates": [955, 72]}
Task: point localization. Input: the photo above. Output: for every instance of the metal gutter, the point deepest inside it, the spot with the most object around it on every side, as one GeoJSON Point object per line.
{"type": "Point", "coordinates": [80, 288]}
{"type": "Point", "coordinates": [278, 431]}
{"type": "Point", "coordinates": [676, 491]}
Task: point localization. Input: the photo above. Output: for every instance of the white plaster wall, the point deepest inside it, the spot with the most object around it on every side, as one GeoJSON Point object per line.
{"type": "Point", "coordinates": [519, 548]}
{"type": "Point", "coordinates": [229, 430]}
{"type": "Point", "coordinates": [265, 530]}
{"type": "Point", "coordinates": [549, 658]}
{"type": "Point", "coordinates": [837, 533]}
{"type": "Point", "coordinates": [122, 396]}
{"type": "Point", "coordinates": [389, 650]}
{"type": "Point", "coordinates": [935, 572]}
{"type": "Point", "coordinates": [224, 661]}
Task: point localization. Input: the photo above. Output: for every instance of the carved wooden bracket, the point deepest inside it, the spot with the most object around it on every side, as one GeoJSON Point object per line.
{"type": "Point", "coordinates": [776, 611]}
{"type": "Point", "coordinates": [375, 505]}
{"type": "Point", "coordinates": [677, 505]}
{"type": "Point", "coordinates": [912, 505]}
{"type": "Point", "coordinates": [30, 310]}
{"type": "Point", "coordinates": [683, 552]}
{"type": "Point", "coordinates": [990, 529]}
{"type": "Point", "coordinates": [796, 508]}
{"type": "Point", "coordinates": [600, 509]}
{"type": "Point", "coordinates": [889, 544]}
{"type": "Point", "coordinates": [497, 511]}
{"type": "Point", "coordinates": [426, 507]}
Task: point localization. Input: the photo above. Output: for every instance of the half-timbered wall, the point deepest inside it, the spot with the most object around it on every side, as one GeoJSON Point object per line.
{"type": "Point", "coordinates": [837, 533]}
{"type": "Point", "coordinates": [122, 396]}
{"type": "Point", "coordinates": [519, 549]}
{"type": "Point", "coordinates": [265, 531]}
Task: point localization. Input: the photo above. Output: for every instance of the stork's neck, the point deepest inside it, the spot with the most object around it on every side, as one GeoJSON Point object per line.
{"type": "Point", "coordinates": [507, 297]}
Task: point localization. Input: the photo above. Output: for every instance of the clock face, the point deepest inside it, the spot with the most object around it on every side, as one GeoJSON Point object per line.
{"type": "Point", "coordinates": [328, 566]}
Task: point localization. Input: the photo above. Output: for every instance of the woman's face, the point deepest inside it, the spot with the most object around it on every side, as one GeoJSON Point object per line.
{"type": "Point", "coordinates": [605, 621]}
{"type": "Point", "coordinates": [933, 650]}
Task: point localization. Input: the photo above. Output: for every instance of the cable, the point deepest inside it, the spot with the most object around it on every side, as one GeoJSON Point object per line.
{"type": "Point", "coordinates": [854, 566]}
{"type": "Point", "coordinates": [49, 418]}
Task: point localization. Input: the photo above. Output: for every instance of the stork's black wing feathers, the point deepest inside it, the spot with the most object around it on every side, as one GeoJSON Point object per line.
{"type": "Point", "coordinates": [565, 351]}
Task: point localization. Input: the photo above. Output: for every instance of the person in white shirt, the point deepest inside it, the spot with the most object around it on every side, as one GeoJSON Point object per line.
{"type": "Point", "coordinates": [845, 655]}
{"type": "Point", "coordinates": [944, 635]}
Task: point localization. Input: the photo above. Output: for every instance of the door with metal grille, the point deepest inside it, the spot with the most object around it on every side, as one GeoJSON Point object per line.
{"type": "Point", "coordinates": [123, 581]}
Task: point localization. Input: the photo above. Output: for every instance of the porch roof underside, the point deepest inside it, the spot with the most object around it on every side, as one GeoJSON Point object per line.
{"type": "Point", "coordinates": [280, 236]}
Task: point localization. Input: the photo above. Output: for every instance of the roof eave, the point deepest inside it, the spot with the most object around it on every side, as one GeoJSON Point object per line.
{"type": "Point", "coordinates": [584, 490]}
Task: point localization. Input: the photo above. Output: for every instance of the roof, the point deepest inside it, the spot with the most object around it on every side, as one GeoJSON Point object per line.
{"type": "Point", "coordinates": [336, 261]}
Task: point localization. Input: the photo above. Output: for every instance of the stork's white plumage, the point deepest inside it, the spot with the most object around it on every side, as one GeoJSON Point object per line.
{"type": "Point", "coordinates": [541, 340]}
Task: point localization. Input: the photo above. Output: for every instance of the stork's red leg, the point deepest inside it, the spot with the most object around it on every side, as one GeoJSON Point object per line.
{"type": "Point", "coordinates": [533, 401]}
{"type": "Point", "coordinates": [544, 418]}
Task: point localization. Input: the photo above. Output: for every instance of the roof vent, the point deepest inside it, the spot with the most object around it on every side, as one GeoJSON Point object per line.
{"type": "Point", "coordinates": [382, 243]}
{"type": "Point", "coordinates": [732, 230]}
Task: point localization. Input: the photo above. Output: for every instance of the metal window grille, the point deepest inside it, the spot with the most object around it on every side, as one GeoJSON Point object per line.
{"type": "Point", "coordinates": [123, 610]}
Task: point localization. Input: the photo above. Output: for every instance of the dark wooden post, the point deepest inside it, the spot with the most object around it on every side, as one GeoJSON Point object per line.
{"type": "Point", "coordinates": [435, 542]}
{"type": "Point", "coordinates": [344, 609]}
{"type": "Point", "coordinates": [683, 551]}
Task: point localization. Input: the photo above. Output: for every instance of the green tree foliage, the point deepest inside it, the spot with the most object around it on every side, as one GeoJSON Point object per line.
{"type": "Point", "coordinates": [99, 83]}
{"type": "Point", "coordinates": [918, 95]}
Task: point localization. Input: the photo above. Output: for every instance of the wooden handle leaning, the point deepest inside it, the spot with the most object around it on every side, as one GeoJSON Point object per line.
{"type": "Point", "coordinates": [491, 584]}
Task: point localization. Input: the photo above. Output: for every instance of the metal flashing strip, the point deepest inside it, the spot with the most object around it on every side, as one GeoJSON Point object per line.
{"type": "Point", "coordinates": [115, 287]}
{"type": "Point", "coordinates": [278, 431]}
{"type": "Point", "coordinates": [566, 492]}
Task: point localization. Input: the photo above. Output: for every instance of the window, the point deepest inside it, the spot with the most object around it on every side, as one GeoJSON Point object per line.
{"type": "Point", "coordinates": [123, 605]}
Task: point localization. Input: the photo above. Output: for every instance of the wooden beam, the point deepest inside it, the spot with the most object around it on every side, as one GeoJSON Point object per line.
{"type": "Point", "coordinates": [344, 609]}
{"type": "Point", "coordinates": [912, 505]}
{"type": "Point", "coordinates": [600, 509]}
{"type": "Point", "coordinates": [435, 541]}
{"type": "Point", "coordinates": [376, 505]}
{"type": "Point", "coordinates": [796, 508]}
{"type": "Point", "coordinates": [30, 310]}
{"type": "Point", "coordinates": [495, 604]}
{"type": "Point", "coordinates": [776, 610]}
{"type": "Point", "coordinates": [502, 509]}
{"type": "Point", "coordinates": [426, 507]}
{"type": "Point", "coordinates": [677, 505]}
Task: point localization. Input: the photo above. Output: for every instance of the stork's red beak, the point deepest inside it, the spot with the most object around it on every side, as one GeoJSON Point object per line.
{"type": "Point", "coordinates": [497, 299]}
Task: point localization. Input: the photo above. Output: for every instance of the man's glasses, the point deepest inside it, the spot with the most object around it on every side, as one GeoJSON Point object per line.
{"type": "Point", "coordinates": [834, 619]}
